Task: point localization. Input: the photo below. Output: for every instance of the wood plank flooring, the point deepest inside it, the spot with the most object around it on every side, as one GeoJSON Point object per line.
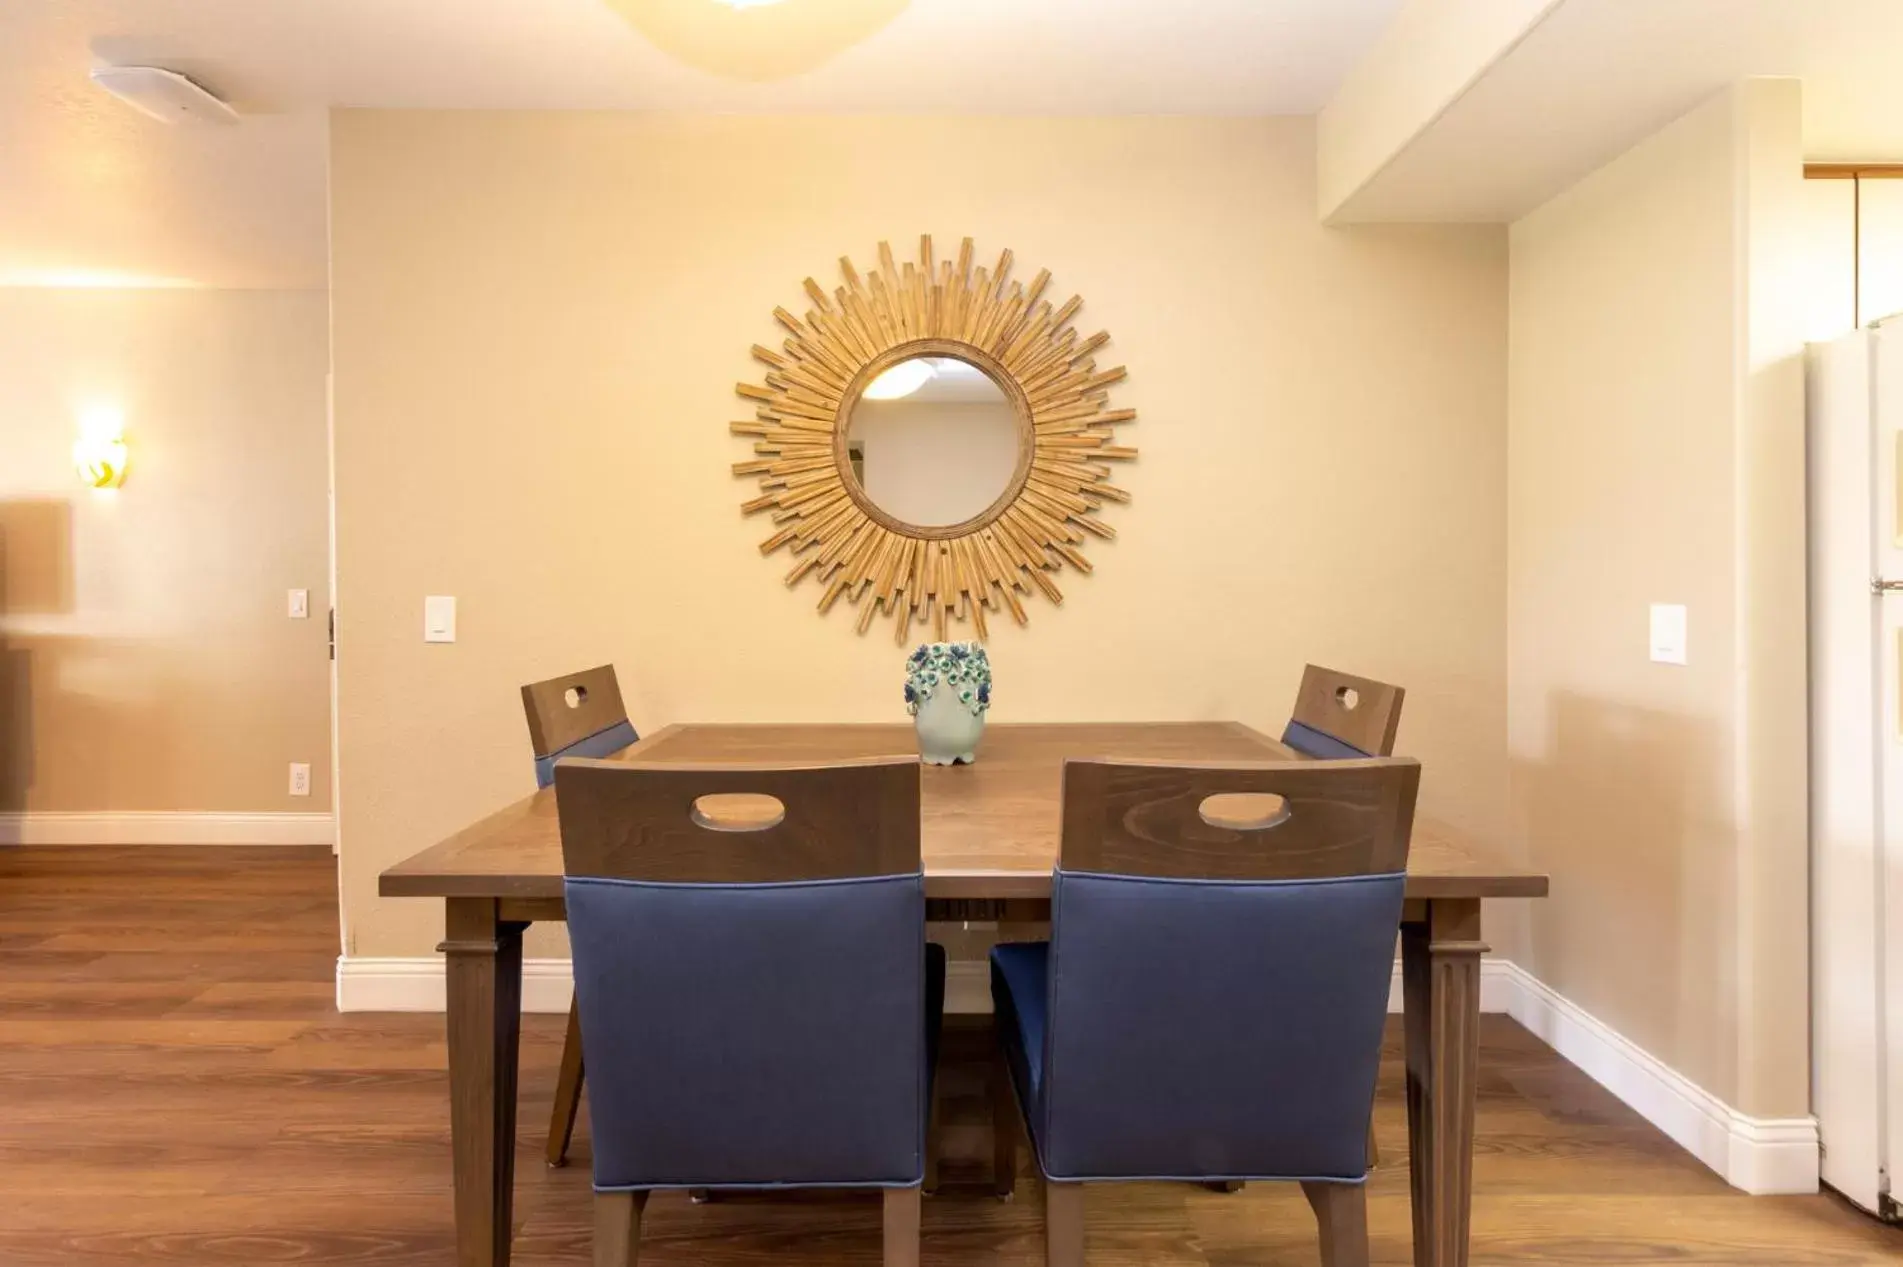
{"type": "Point", "coordinates": [176, 1088]}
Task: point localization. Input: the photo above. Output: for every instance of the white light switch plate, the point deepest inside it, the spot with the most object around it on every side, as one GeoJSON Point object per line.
{"type": "Point", "coordinates": [300, 604]}
{"type": "Point", "coordinates": [1669, 635]}
{"type": "Point", "coordinates": [439, 618]}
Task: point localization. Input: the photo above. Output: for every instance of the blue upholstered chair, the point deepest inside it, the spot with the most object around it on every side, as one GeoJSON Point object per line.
{"type": "Point", "coordinates": [576, 715]}
{"type": "Point", "coordinates": [759, 1006]}
{"type": "Point", "coordinates": [1339, 716]}
{"type": "Point", "coordinates": [1210, 1004]}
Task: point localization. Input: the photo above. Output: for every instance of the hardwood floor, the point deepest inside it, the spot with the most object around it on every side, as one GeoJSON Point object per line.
{"type": "Point", "coordinates": [176, 1088]}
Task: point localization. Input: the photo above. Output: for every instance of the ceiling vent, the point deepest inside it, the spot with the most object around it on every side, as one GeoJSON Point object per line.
{"type": "Point", "coordinates": [166, 95]}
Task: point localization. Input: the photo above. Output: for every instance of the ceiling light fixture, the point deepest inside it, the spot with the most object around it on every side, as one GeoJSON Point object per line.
{"type": "Point", "coordinates": [163, 94]}
{"type": "Point", "coordinates": [901, 380]}
{"type": "Point", "coordinates": [746, 4]}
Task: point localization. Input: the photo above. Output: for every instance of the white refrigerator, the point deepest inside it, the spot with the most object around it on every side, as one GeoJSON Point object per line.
{"type": "Point", "coordinates": [1855, 407]}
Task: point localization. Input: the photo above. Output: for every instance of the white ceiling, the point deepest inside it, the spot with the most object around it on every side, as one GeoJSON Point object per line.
{"type": "Point", "coordinates": [90, 191]}
{"type": "Point", "coordinates": [964, 56]}
{"type": "Point", "coordinates": [88, 188]}
{"type": "Point", "coordinates": [1596, 76]}
{"type": "Point", "coordinates": [93, 193]}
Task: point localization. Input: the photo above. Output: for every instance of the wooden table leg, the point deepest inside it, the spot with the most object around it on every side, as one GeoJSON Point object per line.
{"type": "Point", "coordinates": [1440, 957]}
{"type": "Point", "coordinates": [484, 969]}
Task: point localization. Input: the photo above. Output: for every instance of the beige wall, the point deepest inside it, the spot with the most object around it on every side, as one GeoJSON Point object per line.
{"type": "Point", "coordinates": [146, 662]}
{"type": "Point", "coordinates": [539, 319]}
{"type": "Point", "coordinates": [1656, 455]}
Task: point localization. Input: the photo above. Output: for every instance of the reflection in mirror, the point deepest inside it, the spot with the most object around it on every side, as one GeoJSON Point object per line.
{"type": "Point", "coordinates": [934, 441]}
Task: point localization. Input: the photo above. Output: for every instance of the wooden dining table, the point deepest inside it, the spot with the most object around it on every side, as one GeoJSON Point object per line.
{"type": "Point", "coordinates": [989, 836]}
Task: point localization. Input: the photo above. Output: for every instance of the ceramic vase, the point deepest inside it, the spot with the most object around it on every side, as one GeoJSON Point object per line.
{"type": "Point", "coordinates": [948, 691]}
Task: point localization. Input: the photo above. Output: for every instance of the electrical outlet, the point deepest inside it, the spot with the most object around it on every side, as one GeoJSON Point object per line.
{"type": "Point", "coordinates": [300, 604]}
{"type": "Point", "coordinates": [300, 778]}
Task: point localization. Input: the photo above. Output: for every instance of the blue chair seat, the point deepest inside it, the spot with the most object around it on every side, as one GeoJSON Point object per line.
{"type": "Point", "coordinates": [1019, 980]}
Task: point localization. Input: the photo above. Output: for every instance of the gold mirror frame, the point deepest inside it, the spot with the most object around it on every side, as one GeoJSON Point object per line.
{"type": "Point", "coordinates": [934, 575]}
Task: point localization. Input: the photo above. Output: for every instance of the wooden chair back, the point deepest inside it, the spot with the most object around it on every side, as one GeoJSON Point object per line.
{"type": "Point", "coordinates": [1357, 711]}
{"type": "Point", "coordinates": [1280, 820]}
{"type": "Point", "coordinates": [738, 824]}
{"type": "Point", "coordinates": [559, 719]}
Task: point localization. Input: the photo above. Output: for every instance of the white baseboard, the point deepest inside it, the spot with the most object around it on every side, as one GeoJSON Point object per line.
{"type": "Point", "coordinates": [366, 984]}
{"type": "Point", "coordinates": [1757, 1155]}
{"type": "Point", "coordinates": [418, 985]}
{"type": "Point", "coordinates": [1496, 986]}
{"type": "Point", "coordinates": [968, 986]}
{"type": "Point", "coordinates": [164, 828]}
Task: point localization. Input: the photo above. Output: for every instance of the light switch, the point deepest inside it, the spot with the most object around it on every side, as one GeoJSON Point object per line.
{"type": "Point", "coordinates": [439, 618]}
{"type": "Point", "coordinates": [300, 604]}
{"type": "Point", "coordinates": [1668, 633]}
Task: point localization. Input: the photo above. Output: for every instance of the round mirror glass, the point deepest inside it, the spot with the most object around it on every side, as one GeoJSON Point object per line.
{"type": "Point", "coordinates": [933, 441]}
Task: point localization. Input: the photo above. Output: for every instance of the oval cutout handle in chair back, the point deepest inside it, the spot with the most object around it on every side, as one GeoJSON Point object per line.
{"type": "Point", "coordinates": [1348, 697]}
{"type": "Point", "coordinates": [738, 811]}
{"type": "Point", "coordinates": [575, 696]}
{"type": "Point", "coordinates": [1244, 811]}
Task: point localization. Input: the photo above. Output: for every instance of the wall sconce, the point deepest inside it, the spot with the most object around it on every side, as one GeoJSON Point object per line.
{"type": "Point", "coordinates": [99, 455]}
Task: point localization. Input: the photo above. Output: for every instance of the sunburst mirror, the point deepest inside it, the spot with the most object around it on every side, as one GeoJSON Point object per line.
{"type": "Point", "coordinates": [932, 441]}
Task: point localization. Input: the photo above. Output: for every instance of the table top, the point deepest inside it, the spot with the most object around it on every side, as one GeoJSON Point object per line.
{"type": "Point", "coordinates": [987, 830]}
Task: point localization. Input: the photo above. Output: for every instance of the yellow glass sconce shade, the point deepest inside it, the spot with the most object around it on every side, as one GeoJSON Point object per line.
{"type": "Point", "coordinates": [99, 455]}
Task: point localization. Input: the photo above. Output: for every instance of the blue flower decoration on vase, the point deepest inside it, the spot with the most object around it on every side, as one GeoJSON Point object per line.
{"type": "Point", "coordinates": [947, 692]}
{"type": "Point", "coordinates": [963, 666]}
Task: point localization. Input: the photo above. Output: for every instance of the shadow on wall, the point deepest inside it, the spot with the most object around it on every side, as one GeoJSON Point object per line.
{"type": "Point", "coordinates": [36, 578]}
{"type": "Point", "coordinates": [1630, 815]}
{"type": "Point", "coordinates": [36, 562]}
